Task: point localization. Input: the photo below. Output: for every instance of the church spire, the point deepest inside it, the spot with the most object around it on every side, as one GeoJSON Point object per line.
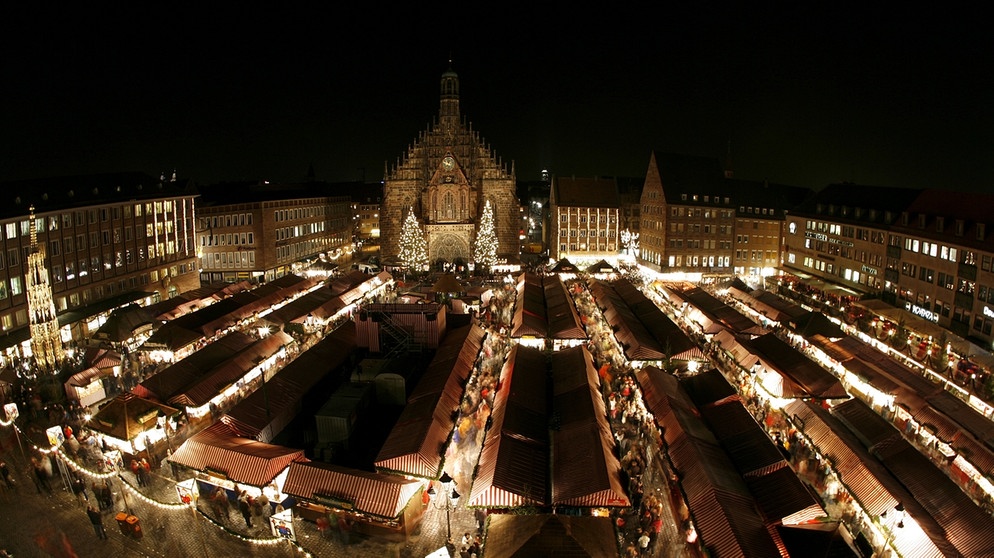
{"type": "Point", "coordinates": [449, 101]}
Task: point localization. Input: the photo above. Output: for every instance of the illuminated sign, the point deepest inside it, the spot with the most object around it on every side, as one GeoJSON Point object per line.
{"type": "Point", "coordinates": [988, 312]}
{"type": "Point", "coordinates": [922, 312]}
{"type": "Point", "coordinates": [11, 411]}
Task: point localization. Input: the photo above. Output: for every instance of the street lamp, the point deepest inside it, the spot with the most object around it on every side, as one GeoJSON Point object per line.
{"type": "Point", "coordinates": [898, 524]}
{"type": "Point", "coordinates": [163, 421]}
{"type": "Point", "coordinates": [449, 503]}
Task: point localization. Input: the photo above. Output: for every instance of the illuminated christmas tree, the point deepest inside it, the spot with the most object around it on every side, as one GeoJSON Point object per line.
{"type": "Point", "coordinates": [413, 246]}
{"type": "Point", "coordinates": [485, 251]}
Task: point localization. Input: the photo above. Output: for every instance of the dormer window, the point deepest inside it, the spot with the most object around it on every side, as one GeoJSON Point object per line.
{"type": "Point", "coordinates": [845, 211]}
{"type": "Point", "coordinates": [940, 224]}
{"type": "Point", "coordinates": [960, 225]}
{"type": "Point", "coordinates": [921, 220]}
{"type": "Point", "coordinates": [683, 197]}
{"type": "Point", "coordinates": [904, 218]}
{"type": "Point", "coordinates": [980, 231]}
{"type": "Point", "coordinates": [859, 212]}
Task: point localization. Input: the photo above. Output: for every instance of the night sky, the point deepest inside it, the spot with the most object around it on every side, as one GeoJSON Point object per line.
{"type": "Point", "coordinates": [802, 95]}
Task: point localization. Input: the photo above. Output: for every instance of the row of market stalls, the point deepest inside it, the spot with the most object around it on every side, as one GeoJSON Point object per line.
{"type": "Point", "coordinates": [963, 437]}
{"type": "Point", "coordinates": [887, 474]}
{"type": "Point", "coordinates": [215, 373]}
{"type": "Point", "coordinates": [264, 412]}
{"type": "Point", "coordinates": [784, 371]}
{"type": "Point", "coordinates": [545, 311]}
{"type": "Point", "coordinates": [743, 496]}
{"type": "Point", "coordinates": [708, 312]}
{"type": "Point", "coordinates": [549, 443]}
{"type": "Point", "coordinates": [416, 444]}
{"type": "Point", "coordinates": [181, 336]}
{"type": "Point", "coordinates": [336, 298]}
{"type": "Point", "coordinates": [644, 332]}
{"type": "Point", "coordinates": [893, 398]}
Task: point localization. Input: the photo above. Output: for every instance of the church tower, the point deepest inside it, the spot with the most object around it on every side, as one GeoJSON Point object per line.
{"type": "Point", "coordinates": [46, 342]}
{"type": "Point", "coordinates": [446, 176]}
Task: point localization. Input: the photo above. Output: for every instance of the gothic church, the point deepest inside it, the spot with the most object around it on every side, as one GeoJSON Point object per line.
{"type": "Point", "coordinates": [446, 176]}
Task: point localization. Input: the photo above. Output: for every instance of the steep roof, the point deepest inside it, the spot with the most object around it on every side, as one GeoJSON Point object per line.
{"type": "Point", "coordinates": [585, 192]}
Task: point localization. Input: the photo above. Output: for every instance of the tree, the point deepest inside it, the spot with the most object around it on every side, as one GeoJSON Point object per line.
{"type": "Point", "coordinates": [485, 251]}
{"type": "Point", "coordinates": [413, 246]}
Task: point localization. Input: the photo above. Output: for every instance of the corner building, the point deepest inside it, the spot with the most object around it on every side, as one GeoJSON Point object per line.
{"type": "Point", "coordinates": [106, 240]}
{"type": "Point", "coordinates": [445, 177]}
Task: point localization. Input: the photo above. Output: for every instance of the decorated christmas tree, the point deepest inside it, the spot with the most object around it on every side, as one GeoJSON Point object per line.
{"type": "Point", "coordinates": [485, 251]}
{"type": "Point", "coordinates": [413, 246]}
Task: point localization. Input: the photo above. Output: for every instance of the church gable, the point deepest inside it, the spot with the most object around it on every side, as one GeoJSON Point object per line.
{"type": "Point", "coordinates": [449, 197]}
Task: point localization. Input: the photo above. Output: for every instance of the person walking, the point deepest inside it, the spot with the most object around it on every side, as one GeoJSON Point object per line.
{"type": "Point", "coordinates": [79, 490]}
{"type": "Point", "coordinates": [42, 478]}
{"type": "Point", "coordinates": [97, 520]}
{"type": "Point", "coordinates": [243, 506]}
{"type": "Point", "coordinates": [345, 528]}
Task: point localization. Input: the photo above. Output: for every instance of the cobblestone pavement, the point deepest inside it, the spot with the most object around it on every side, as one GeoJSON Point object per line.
{"type": "Point", "coordinates": [41, 524]}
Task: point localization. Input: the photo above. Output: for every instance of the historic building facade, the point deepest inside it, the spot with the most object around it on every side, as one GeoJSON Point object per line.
{"type": "Point", "coordinates": [584, 215]}
{"type": "Point", "coordinates": [927, 251]}
{"type": "Point", "coordinates": [696, 218]}
{"type": "Point", "coordinates": [270, 230]}
{"type": "Point", "coordinates": [95, 243]}
{"type": "Point", "coordinates": [445, 177]}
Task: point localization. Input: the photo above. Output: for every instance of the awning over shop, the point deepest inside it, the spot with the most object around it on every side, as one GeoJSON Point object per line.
{"type": "Point", "coordinates": [373, 493]}
{"type": "Point", "coordinates": [544, 309]}
{"type": "Point", "coordinates": [641, 328]}
{"type": "Point", "coordinates": [713, 310]}
{"type": "Point", "coordinates": [579, 452]}
{"type": "Point", "coordinates": [734, 347]}
{"type": "Point", "coordinates": [728, 468]}
{"type": "Point", "coordinates": [510, 535]}
{"type": "Point", "coordinates": [174, 379]}
{"type": "Point", "coordinates": [802, 376]}
{"type": "Point", "coordinates": [212, 382]}
{"type": "Point", "coordinates": [220, 452]}
{"type": "Point", "coordinates": [269, 409]}
{"type": "Point", "coordinates": [127, 416]}
{"type": "Point", "coordinates": [416, 444]}
{"type": "Point", "coordinates": [564, 266]}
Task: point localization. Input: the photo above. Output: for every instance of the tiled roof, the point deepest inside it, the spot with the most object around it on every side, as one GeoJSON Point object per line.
{"type": "Point", "coordinates": [240, 459]}
{"type": "Point", "coordinates": [373, 493]}
{"type": "Point", "coordinates": [585, 192]}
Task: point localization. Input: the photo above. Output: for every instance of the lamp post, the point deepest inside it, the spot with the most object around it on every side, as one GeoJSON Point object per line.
{"type": "Point", "coordinates": [163, 421]}
{"type": "Point", "coordinates": [449, 503]}
{"type": "Point", "coordinates": [892, 530]}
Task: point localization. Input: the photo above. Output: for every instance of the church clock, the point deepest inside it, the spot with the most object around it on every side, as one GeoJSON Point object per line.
{"type": "Point", "coordinates": [448, 163]}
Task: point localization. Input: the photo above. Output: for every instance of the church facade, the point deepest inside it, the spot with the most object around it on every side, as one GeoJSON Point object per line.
{"type": "Point", "coordinates": [446, 177]}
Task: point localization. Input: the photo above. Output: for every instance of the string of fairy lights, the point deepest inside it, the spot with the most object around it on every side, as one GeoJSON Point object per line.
{"type": "Point", "coordinates": [133, 491]}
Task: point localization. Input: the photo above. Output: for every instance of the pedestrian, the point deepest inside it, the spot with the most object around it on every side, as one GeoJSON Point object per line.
{"type": "Point", "coordinates": [79, 490]}
{"type": "Point", "coordinates": [98, 522]}
{"type": "Point", "coordinates": [263, 503]}
{"type": "Point", "coordinates": [41, 477]}
{"type": "Point", "coordinates": [345, 527]}
{"type": "Point", "coordinates": [146, 471]}
{"type": "Point", "coordinates": [644, 543]}
{"type": "Point", "coordinates": [243, 507]}
{"type": "Point", "coordinates": [323, 525]}
{"type": "Point", "coordinates": [136, 471]}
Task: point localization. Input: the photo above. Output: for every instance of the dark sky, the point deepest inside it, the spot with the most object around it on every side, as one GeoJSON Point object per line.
{"type": "Point", "coordinates": [803, 95]}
